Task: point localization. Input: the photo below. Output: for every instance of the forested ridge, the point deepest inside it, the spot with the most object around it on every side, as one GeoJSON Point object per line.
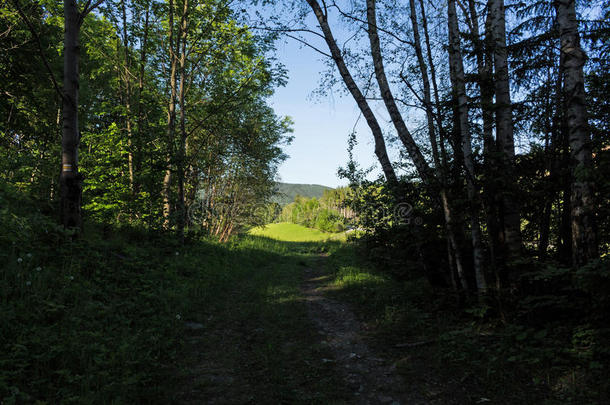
{"type": "Point", "coordinates": [286, 192]}
{"type": "Point", "coordinates": [145, 257]}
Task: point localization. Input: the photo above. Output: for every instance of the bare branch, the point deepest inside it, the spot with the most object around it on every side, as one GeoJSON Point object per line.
{"type": "Point", "coordinates": [89, 8]}
{"type": "Point", "coordinates": [87, 4]}
{"type": "Point", "coordinates": [401, 101]}
{"type": "Point", "coordinates": [344, 47]}
{"type": "Point", "coordinates": [390, 33]}
{"type": "Point", "coordinates": [309, 45]}
{"type": "Point", "coordinates": [283, 30]}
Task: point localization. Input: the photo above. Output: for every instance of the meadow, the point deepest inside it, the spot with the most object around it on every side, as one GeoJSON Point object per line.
{"type": "Point", "coordinates": [289, 232]}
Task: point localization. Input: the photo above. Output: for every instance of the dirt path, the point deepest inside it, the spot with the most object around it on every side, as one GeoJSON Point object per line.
{"type": "Point", "coordinates": [372, 379]}
{"type": "Point", "coordinates": [271, 353]}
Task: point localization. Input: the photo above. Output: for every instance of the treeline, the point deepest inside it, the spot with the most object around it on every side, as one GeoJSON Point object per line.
{"type": "Point", "coordinates": [500, 114]}
{"type": "Point", "coordinates": [157, 109]}
{"type": "Point", "coordinates": [328, 213]}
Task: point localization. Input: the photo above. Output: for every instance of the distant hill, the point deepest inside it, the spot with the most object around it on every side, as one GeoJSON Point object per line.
{"type": "Point", "coordinates": [287, 191]}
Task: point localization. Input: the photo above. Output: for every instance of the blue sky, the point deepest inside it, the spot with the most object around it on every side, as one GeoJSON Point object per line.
{"type": "Point", "coordinates": [321, 126]}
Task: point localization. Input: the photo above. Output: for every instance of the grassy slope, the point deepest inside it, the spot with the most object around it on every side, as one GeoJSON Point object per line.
{"type": "Point", "coordinates": [257, 331]}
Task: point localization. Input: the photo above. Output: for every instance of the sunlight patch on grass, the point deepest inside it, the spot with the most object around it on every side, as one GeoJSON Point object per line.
{"type": "Point", "coordinates": [349, 275]}
{"type": "Point", "coordinates": [288, 232]}
{"type": "Point", "coordinates": [281, 294]}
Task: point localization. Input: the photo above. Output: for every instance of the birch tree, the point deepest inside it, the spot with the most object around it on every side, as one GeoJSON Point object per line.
{"type": "Point", "coordinates": [458, 84]}
{"type": "Point", "coordinates": [363, 105]}
{"type": "Point", "coordinates": [584, 238]}
{"type": "Point", "coordinates": [484, 63]}
{"type": "Point", "coordinates": [171, 113]}
{"type": "Point", "coordinates": [510, 237]}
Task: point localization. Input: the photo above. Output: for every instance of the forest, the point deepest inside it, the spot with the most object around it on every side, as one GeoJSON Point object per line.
{"type": "Point", "coordinates": [150, 254]}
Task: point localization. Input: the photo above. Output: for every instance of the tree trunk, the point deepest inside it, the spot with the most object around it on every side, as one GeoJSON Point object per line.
{"type": "Point", "coordinates": [458, 261]}
{"type": "Point", "coordinates": [171, 120]}
{"type": "Point", "coordinates": [140, 119]}
{"type": "Point", "coordinates": [181, 158]}
{"type": "Point", "coordinates": [582, 198]}
{"type": "Point", "coordinates": [510, 216]}
{"type": "Point", "coordinates": [426, 84]}
{"type": "Point", "coordinates": [380, 147]}
{"type": "Point", "coordinates": [549, 181]}
{"type": "Point", "coordinates": [70, 181]}
{"type": "Point", "coordinates": [127, 100]}
{"type": "Point", "coordinates": [192, 181]}
{"type": "Point", "coordinates": [552, 163]}
{"type": "Point", "coordinates": [458, 85]}
{"type": "Point", "coordinates": [564, 242]}
{"type": "Point", "coordinates": [484, 60]}
{"type": "Point", "coordinates": [403, 132]}
{"type": "Point", "coordinates": [405, 136]}
{"type": "Point", "coordinates": [455, 260]}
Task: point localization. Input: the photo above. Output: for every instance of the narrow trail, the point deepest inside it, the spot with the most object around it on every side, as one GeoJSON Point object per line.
{"type": "Point", "coordinates": [373, 380]}
{"type": "Point", "coordinates": [227, 356]}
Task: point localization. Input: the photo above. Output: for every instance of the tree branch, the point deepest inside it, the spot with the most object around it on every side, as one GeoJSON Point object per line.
{"type": "Point", "coordinates": [89, 8]}
{"type": "Point", "coordinates": [283, 30]}
{"type": "Point", "coordinates": [309, 45]}
{"type": "Point", "coordinates": [351, 17]}
{"type": "Point", "coordinates": [40, 50]}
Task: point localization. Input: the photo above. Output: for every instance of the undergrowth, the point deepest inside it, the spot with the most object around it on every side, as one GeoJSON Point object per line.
{"type": "Point", "coordinates": [551, 348]}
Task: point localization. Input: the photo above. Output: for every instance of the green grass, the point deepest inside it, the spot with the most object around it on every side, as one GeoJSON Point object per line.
{"type": "Point", "coordinates": [258, 330]}
{"type": "Point", "coordinates": [102, 319]}
{"type": "Point", "coordinates": [288, 232]}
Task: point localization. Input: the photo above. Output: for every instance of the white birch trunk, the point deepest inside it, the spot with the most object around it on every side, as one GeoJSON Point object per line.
{"type": "Point", "coordinates": [70, 181]}
{"type": "Point", "coordinates": [380, 147]}
{"type": "Point", "coordinates": [458, 84]}
{"type": "Point", "coordinates": [510, 216]}
{"type": "Point", "coordinates": [584, 235]}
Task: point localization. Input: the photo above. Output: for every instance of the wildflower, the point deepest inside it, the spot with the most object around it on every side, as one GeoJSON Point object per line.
{"type": "Point", "coordinates": [71, 278]}
{"type": "Point", "coordinates": [178, 317]}
{"type": "Point", "coordinates": [38, 268]}
{"type": "Point", "coordinates": [29, 255]}
{"type": "Point", "coordinates": [19, 260]}
{"type": "Point", "coordinates": [177, 253]}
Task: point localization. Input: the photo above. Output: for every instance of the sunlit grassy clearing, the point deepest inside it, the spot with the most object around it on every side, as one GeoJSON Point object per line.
{"type": "Point", "coordinates": [295, 233]}
{"type": "Point", "coordinates": [347, 276]}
